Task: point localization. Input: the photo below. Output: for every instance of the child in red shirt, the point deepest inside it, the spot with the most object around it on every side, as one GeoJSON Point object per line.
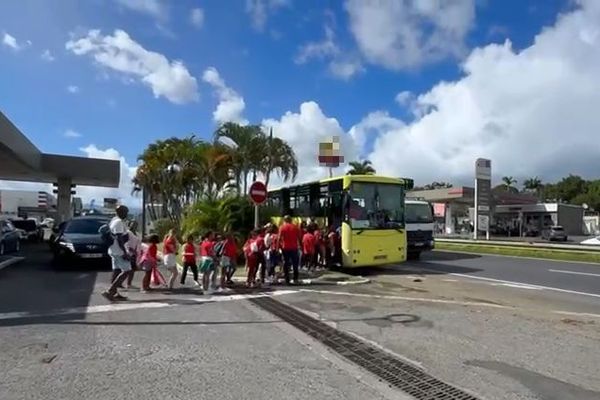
{"type": "Point", "coordinates": [228, 260]}
{"type": "Point", "coordinates": [189, 260]}
{"type": "Point", "coordinates": [207, 265]}
{"type": "Point", "coordinates": [149, 261]}
{"type": "Point", "coordinates": [251, 253]}
{"type": "Point", "coordinates": [308, 248]}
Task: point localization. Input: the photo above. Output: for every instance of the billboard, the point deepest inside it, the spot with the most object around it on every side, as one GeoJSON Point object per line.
{"type": "Point", "coordinates": [483, 195]}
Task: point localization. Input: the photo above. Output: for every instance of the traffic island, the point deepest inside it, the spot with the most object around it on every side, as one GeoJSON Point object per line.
{"type": "Point", "coordinates": [7, 261]}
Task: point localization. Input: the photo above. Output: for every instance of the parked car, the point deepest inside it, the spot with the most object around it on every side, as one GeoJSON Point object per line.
{"type": "Point", "coordinates": [29, 229]}
{"type": "Point", "coordinates": [554, 233]}
{"type": "Point", "coordinates": [78, 239]}
{"type": "Point", "coordinates": [592, 241]}
{"type": "Point", "coordinates": [9, 238]}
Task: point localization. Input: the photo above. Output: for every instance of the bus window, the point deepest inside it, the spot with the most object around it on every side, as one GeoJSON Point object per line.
{"type": "Point", "coordinates": [375, 206]}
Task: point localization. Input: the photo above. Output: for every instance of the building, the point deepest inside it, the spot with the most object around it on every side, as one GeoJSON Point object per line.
{"type": "Point", "coordinates": [513, 213]}
{"type": "Point", "coordinates": [27, 204]}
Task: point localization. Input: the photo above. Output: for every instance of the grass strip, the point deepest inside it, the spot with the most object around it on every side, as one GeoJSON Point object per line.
{"type": "Point", "coordinates": [549, 254]}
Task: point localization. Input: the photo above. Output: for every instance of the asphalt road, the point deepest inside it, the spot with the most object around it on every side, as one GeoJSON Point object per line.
{"type": "Point", "coordinates": [578, 278]}
{"type": "Point", "coordinates": [59, 339]}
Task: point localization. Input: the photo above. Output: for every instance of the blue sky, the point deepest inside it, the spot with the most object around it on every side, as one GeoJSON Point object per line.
{"type": "Point", "coordinates": [119, 74]}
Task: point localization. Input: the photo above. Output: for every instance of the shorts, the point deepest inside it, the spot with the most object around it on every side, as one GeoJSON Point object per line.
{"type": "Point", "coordinates": [118, 262]}
{"type": "Point", "coordinates": [207, 264]}
{"type": "Point", "coordinates": [146, 266]}
{"type": "Point", "coordinates": [227, 263]}
{"type": "Point", "coordinates": [170, 261]}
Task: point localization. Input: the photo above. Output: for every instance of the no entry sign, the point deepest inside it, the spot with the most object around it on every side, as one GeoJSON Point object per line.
{"type": "Point", "coordinates": [258, 192]}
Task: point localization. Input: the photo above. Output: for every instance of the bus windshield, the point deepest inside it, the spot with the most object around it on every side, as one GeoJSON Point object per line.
{"type": "Point", "coordinates": [376, 206]}
{"type": "Point", "coordinates": [418, 213]}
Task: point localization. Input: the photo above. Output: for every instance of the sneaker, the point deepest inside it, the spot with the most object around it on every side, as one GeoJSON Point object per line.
{"type": "Point", "coordinates": [196, 283]}
{"type": "Point", "coordinates": [108, 296]}
{"type": "Point", "coordinates": [220, 290]}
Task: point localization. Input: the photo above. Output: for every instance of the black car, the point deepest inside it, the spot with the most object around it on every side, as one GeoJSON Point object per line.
{"type": "Point", "coordinates": [9, 238]}
{"type": "Point", "coordinates": [78, 241]}
{"type": "Point", "coordinates": [31, 230]}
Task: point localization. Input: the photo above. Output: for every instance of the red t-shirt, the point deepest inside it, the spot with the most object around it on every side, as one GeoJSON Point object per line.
{"type": "Point", "coordinates": [260, 242]}
{"type": "Point", "coordinates": [189, 253]}
{"type": "Point", "coordinates": [207, 248]}
{"type": "Point", "coordinates": [169, 245]}
{"type": "Point", "coordinates": [230, 249]}
{"type": "Point", "coordinates": [152, 252]}
{"type": "Point", "coordinates": [308, 243]}
{"type": "Point", "coordinates": [289, 235]}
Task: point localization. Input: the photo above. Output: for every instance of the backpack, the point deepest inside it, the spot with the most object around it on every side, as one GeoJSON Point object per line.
{"type": "Point", "coordinates": [106, 235]}
{"type": "Point", "coordinates": [219, 248]}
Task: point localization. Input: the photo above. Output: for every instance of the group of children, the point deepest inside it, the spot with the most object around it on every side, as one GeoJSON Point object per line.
{"type": "Point", "coordinates": [217, 255]}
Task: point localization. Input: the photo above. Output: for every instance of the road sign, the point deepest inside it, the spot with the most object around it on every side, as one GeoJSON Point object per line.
{"type": "Point", "coordinates": [258, 192]}
{"type": "Point", "coordinates": [483, 195]}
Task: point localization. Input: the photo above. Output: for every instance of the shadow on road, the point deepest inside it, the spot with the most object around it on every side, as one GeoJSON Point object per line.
{"type": "Point", "coordinates": [35, 286]}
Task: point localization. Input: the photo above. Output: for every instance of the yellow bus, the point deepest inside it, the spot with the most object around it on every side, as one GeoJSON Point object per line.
{"type": "Point", "coordinates": [366, 210]}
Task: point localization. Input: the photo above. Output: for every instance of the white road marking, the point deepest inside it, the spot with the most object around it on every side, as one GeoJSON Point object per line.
{"type": "Point", "coordinates": [590, 315]}
{"type": "Point", "coordinates": [520, 286]}
{"type": "Point", "coordinates": [562, 271]}
{"type": "Point", "coordinates": [125, 306]}
{"type": "Point", "coordinates": [416, 299]}
{"type": "Point", "coordinates": [531, 285]}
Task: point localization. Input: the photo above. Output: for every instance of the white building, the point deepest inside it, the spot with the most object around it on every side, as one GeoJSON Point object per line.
{"type": "Point", "coordinates": [26, 203]}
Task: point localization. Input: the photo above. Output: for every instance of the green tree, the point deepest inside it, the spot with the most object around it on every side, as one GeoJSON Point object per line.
{"type": "Point", "coordinates": [278, 157]}
{"type": "Point", "coordinates": [361, 168]}
{"type": "Point", "coordinates": [509, 183]}
{"type": "Point", "coordinates": [532, 184]}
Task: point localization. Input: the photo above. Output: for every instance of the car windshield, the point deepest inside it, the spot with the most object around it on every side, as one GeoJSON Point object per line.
{"type": "Point", "coordinates": [84, 226]}
{"type": "Point", "coordinates": [376, 206]}
{"type": "Point", "coordinates": [26, 225]}
{"type": "Point", "coordinates": [418, 213]}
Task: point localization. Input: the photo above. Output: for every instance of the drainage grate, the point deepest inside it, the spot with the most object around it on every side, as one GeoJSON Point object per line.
{"type": "Point", "coordinates": [397, 373]}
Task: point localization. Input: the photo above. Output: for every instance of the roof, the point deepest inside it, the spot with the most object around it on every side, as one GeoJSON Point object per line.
{"type": "Point", "coordinates": [21, 160]}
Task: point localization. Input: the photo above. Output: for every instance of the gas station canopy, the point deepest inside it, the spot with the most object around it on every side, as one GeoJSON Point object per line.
{"type": "Point", "coordinates": [21, 160]}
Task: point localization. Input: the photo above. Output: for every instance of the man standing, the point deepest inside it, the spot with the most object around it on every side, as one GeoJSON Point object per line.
{"type": "Point", "coordinates": [289, 241]}
{"type": "Point", "coordinates": [118, 253]}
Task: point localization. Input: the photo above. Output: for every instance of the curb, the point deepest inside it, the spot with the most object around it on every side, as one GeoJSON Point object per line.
{"type": "Point", "coordinates": [308, 281]}
{"type": "Point", "coordinates": [10, 261]}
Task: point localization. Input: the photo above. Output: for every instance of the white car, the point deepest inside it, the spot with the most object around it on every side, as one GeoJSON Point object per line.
{"type": "Point", "coordinates": [593, 241]}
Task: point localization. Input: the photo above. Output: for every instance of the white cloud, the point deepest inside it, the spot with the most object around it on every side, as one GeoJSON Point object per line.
{"type": "Point", "coordinates": [345, 68]}
{"type": "Point", "coordinates": [404, 98]}
{"type": "Point", "coordinates": [341, 65]}
{"type": "Point", "coordinates": [259, 11]}
{"type": "Point", "coordinates": [318, 50]}
{"type": "Point", "coordinates": [10, 41]}
{"type": "Point", "coordinates": [407, 34]}
{"type": "Point", "coordinates": [532, 112]}
{"type": "Point", "coordinates": [231, 105]}
{"type": "Point", "coordinates": [71, 134]}
{"type": "Point", "coordinates": [123, 192]}
{"type": "Point", "coordinates": [120, 53]}
{"type": "Point", "coordinates": [303, 131]}
{"type": "Point", "coordinates": [373, 125]}
{"type": "Point", "coordinates": [197, 17]}
{"type": "Point", "coordinates": [73, 89]}
{"type": "Point", "coordinates": [154, 8]}
{"type": "Point", "coordinates": [47, 56]}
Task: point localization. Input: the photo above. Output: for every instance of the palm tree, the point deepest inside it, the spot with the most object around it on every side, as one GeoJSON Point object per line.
{"type": "Point", "coordinates": [280, 157]}
{"type": "Point", "coordinates": [361, 168]}
{"type": "Point", "coordinates": [532, 184]}
{"type": "Point", "coordinates": [248, 142]}
{"type": "Point", "coordinates": [508, 182]}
